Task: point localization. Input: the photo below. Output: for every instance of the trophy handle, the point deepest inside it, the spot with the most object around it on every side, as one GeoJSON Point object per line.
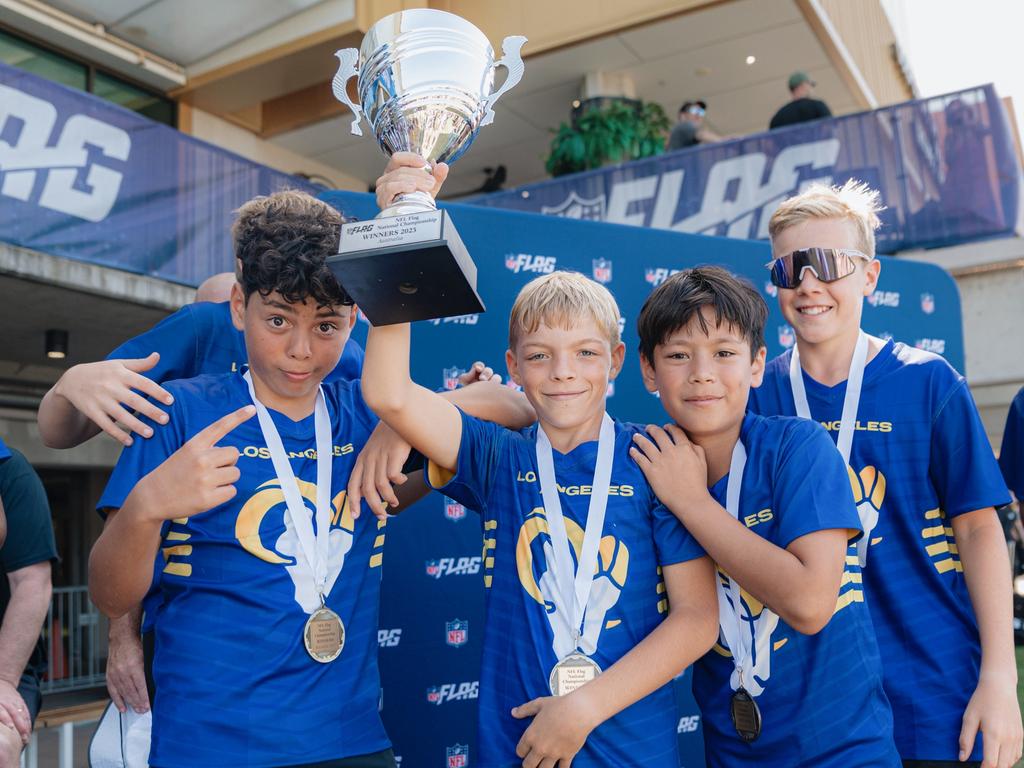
{"type": "Point", "coordinates": [512, 61]}
{"type": "Point", "coordinates": [346, 71]}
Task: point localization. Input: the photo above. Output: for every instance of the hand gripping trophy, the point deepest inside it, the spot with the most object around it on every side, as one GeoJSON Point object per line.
{"type": "Point", "coordinates": [426, 85]}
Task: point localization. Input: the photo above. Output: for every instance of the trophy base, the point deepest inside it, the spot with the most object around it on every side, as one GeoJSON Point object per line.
{"type": "Point", "coordinates": [406, 268]}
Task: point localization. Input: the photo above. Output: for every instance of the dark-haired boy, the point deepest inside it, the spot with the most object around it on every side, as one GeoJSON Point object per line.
{"type": "Point", "coordinates": [795, 679]}
{"type": "Point", "coordinates": [266, 635]}
{"type": "Point", "coordinates": [936, 572]}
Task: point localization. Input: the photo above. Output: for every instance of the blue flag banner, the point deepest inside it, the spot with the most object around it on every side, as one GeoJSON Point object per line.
{"type": "Point", "coordinates": [83, 178]}
{"type": "Point", "coordinates": [433, 592]}
{"type": "Point", "coordinates": [946, 168]}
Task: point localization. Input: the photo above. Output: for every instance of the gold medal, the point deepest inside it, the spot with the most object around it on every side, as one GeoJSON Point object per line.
{"type": "Point", "coordinates": [570, 673]}
{"type": "Point", "coordinates": [324, 635]}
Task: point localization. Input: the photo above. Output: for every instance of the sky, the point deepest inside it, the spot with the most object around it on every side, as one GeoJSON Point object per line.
{"type": "Point", "coordinates": [952, 44]}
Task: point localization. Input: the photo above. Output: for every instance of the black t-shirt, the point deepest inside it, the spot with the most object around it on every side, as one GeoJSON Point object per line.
{"type": "Point", "coordinates": [800, 111]}
{"type": "Point", "coordinates": [684, 134]}
{"type": "Point", "coordinates": [29, 532]}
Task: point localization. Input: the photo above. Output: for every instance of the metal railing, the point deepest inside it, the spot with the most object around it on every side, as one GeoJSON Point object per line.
{"type": "Point", "coordinates": [75, 638]}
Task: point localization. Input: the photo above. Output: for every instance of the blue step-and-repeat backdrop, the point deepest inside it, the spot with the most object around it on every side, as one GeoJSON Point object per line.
{"type": "Point", "coordinates": [432, 607]}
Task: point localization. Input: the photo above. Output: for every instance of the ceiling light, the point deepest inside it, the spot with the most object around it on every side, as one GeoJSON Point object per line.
{"type": "Point", "coordinates": [575, 103]}
{"type": "Point", "coordinates": [56, 344]}
{"type": "Point", "coordinates": [751, 60]}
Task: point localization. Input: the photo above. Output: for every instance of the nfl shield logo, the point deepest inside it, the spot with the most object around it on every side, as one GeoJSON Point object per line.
{"type": "Point", "coordinates": [511, 261]}
{"type": "Point", "coordinates": [770, 288]}
{"type": "Point", "coordinates": [576, 207]}
{"type": "Point", "coordinates": [456, 632]}
{"type": "Point", "coordinates": [927, 303]}
{"type": "Point", "coordinates": [602, 270]}
{"type": "Point", "coordinates": [458, 756]}
{"type": "Point", "coordinates": [453, 510]}
{"type": "Point", "coordinates": [651, 275]}
{"type": "Point", "coordinates": [433, 568]}
{"type": "Point", "coordinates": [786, 338]}
{"type": "Point", "coordinates": [433, 695]}
{"type": "Point", "coordinates": [451, 377]}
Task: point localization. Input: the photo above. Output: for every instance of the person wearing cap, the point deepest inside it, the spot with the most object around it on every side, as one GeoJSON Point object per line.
{"type": "Point", "coordinates": [801, 107]}
{"type": "Point", "coordinates": [690, 130]}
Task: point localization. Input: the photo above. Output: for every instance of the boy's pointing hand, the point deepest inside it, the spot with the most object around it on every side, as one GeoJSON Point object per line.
{"type": "Point", "coordinates": [200, 475]}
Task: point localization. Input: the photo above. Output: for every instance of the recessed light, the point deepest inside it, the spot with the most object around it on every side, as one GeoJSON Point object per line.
{"type": "Point", "coordinates": [575, 103]}
{"type": "Point", "coordinates": [751, 60]}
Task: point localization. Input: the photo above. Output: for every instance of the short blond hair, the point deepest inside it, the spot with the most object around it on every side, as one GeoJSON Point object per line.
{"type": "Point", "coordinates": [562, 299]}
{"type": "Point", "coordinates": [855, 202]}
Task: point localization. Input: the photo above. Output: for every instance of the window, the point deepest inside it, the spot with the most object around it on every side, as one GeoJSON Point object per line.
{"type": "Point", "coordinates": [69, 71]}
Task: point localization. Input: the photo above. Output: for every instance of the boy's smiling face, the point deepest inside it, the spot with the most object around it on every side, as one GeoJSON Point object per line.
{"type": "Point", "coordinates": [564, 372]}
{"type": "Point", "coordinates": [291, 347]}
{"type": "Point", "coordinates": [821, 312]}
{"type": "Point", "coordinates": [704, 379]}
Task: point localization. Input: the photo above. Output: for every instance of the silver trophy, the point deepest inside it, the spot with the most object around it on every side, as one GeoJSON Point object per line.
{"type": "Point", "coordinates": [426, 85]}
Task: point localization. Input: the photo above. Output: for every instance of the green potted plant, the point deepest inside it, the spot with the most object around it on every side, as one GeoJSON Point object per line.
{"type": "Point", "coordinates": [613, 133]}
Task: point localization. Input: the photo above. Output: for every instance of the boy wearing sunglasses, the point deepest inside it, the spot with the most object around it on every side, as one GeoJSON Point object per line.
{"type": "Point", "coordinates": [936, 573]}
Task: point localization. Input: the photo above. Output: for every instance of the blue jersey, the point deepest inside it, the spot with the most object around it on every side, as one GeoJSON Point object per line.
{"type": "Point", "coordinates": [1011, 454]}
{"type": "Point", "coordinates": [5, 452]}
{"type": "Point", "coordinates": [234, 683]}
{"type": "Point", "coordinates": [497, 476]}
{"type": "Point", "coordinates": [820, 696]}
{"type": "Point", "coordinates": [920, 457]}
{"type": "Point", "coordinates": [200, 339]}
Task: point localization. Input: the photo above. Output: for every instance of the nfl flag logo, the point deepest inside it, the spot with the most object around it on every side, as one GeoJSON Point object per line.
{"type": "Point", "coordinates": [927, 303]}
{"type": "Point", "coordinates": [433, 569]}
{"type": "Point", "coordinates": [786, 338]}
{"type": "Point", "coordinates": [511, 261]}
{"type": "Point", "coordinates": [770, 288]}
{"type": "Point", "coordinates": [456, 632]}
{"type": "Point", "coordinates": [433, 695]}
{"type": "Point", "coordinates": [602, 270]}
{"type": "Point", "coordinates": [453, 510]}
{"type": "Point", "coordinates": [458, 756]}
{"type": "Point", "coordinates": [451, 377]}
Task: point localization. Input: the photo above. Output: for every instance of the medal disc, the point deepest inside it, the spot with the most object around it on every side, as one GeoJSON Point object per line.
{"type": "Point", "coordinates": [324, 635]}
{"type": "Point", "coordinates": [746, 717]}
{"type": "Point", "coordinates": [571, 672]}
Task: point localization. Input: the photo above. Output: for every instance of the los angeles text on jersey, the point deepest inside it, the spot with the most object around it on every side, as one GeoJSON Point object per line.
{"type": "Point", "coordinates": [576, 490]}
{"type": "Point", "coordinates": [262, 452]}
{"type": "Point", "coordinates": [861, 426]}
{"type": "Point", "coordinates": [441, 694]}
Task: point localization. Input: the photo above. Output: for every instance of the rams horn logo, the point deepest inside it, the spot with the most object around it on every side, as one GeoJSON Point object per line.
{"type": "Point", "coordinates": [534, 553]}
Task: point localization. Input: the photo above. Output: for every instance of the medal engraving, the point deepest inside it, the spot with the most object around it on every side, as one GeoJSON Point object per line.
{"type": "Point", "coordinates": [324, 635]}
{"type": "Point", "coordinates": [746, 716]}
{"type": "Point", "coordinates": [572, 672]}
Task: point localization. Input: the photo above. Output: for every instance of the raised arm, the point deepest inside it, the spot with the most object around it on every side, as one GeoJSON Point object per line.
{"type": "Point", "coordinates": [427, 421]}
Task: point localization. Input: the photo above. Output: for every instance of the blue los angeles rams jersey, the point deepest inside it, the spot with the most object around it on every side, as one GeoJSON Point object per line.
{"type": "Point", "coordinates": [1011, 454]}
{"type": "Point", "coordinates": [820, 696]}
{"type": "Point", "coordinates": [920, 457]}
{"type": "Point", "coordinates": [497, 476]}
{"type": "Point", "coordinates": [200, 339]}
{"type": "Point", "coordinates": [234, 683]}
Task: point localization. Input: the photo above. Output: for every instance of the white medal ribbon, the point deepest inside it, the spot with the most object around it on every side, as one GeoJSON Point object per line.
{"type": "Point", "coordinates": [575, 592]}
{"type": "Point", "coordinates": [851, 401]}
{"type": "Point", "coordinates": [743, 635]}
{"type": "Point", "coordinates": [315, 549]}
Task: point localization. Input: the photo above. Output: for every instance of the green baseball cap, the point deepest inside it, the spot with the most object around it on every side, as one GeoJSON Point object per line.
{"type": "Point", "coordinates": [799, 78]}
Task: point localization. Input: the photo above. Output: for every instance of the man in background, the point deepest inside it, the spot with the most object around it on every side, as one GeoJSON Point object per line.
{"type": "Point", "coordinates": [801, 107]}
{"type": "Point", "coordinates": [690, 129]}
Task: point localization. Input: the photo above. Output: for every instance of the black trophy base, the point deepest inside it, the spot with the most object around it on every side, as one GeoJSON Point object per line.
{"type": "Point", "coordinates": [401, 269]}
